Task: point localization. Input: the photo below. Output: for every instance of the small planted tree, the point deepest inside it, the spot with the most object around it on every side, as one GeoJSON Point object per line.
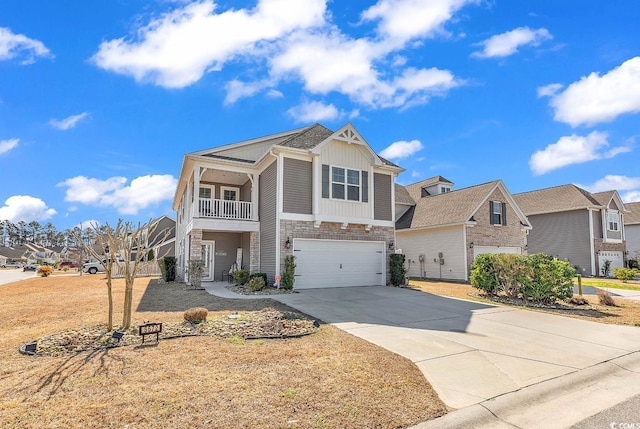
{"type": "Point", "coordinates": [606, 268]}
{"type": "Point", "coordinates": [288, 276]}
{"type": "Point", "coordinates": [396, 266]}
{"type": "Point", "coordinates": [168, 268]}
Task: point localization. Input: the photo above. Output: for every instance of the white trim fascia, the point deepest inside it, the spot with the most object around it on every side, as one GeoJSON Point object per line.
{"type": "Point", "coordinates": [446, 225]}
{"type": "Point", "coordinates": [316, 184]}
{"type": "Point", "coordinates": [393, 198]}
{"type": "Point", "coordinates": [248, 142]}
{"type": "Point", "coordinates": [465, 253]}
{"type": "Point", "coordinates": [334, 219]}
{"type": "Point", "coordinates": [592, 250]}
{"type": "Point", "coordinates": [224, 225]}
{"type": "Point", "coordinates": [372, 192]}
{"type": "Point", "coordinates": [225, 165]}
{"type": "Point", "coordinates": [573, 209]}
{"type": "Point", "coordinates": [279, 206]}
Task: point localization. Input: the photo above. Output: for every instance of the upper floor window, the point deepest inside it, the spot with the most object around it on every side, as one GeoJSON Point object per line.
{"type": "Point", "coordinates": [497, 213]}
{"type": "Point", "coordinates": [444, 189]}
{"type": "Point", "coordinates": [345, 184]}
{"type": "Point", "coordinates": [613, 221]}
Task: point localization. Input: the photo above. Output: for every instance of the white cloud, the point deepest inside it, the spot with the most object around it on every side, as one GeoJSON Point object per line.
{"type": "Point", "coordinates": [91, 223]}
{"type": "Point", "coordinates": [25, 208]}
{"type": "Point", "coordinates": [176, 49]}
{"type": "Point", "coordinates": [549, 90]}
{"type": "Point", "coordinates": [7, 145]}
{"type": "Point", "coordinates": [401, 149]}
{"type": "Point", "coordinates": [505, 44]}
{"type": "Point", "coordinates": [14, 45]}
{"type": "Point", "coordinates": [403, 20]}
{"type": "Point", "coordinates": [573, 149]}
{"type": "Point", "coordinates": [631, 197]}
{"type": "Point", "coordinates": [69, 122]}
{"type": "Point", "coordinates": [416, 174]}
{"type": "Point", "coordinates": [595, 98]}
{"type": "Point", "coordinates": [611, 182]}
{"type": "Point", "coordinates": [141, 193]}
{"type": "Point", "coordinates": [314, 111]}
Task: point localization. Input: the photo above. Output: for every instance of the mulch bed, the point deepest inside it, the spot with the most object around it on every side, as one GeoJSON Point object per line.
{"type": "Point", "coordinates": [246, 290]}
{"type": "Point", "coordinates": [266, 323]}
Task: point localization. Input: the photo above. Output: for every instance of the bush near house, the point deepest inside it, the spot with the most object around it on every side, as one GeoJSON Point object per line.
{"type": "Point", "coordinates": [288, 276]}
{"type": "Point", "coordinates": [398, 271]}
{"type": "Point", "coordinates": [196, 315]}
{"type": "Point", "coordinates": [168, 268]}
{"type": "Point", "coordinates": [240, 276]}
{"type": "Point", "coordinates": [538, 278]}
{"type": "Point", "coordinates": [256, 283]}
{"type": "Point", "coordinates": [45, 271]}
{"type": "Point", "coordinates": [625, 274]}
{"type": "Point", "coordinates": [262, 275]}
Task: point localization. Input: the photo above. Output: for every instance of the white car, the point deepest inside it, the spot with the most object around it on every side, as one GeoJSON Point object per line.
{"type": "Point", "coordinates": [12, 265]}
{"type": "Point", "coordinates": [93, 267]}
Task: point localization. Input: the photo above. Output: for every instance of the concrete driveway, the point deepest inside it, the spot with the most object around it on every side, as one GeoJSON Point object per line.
{"type": "Point", "coordinates": [469, 352]}
{"type": "Point", "coordinates": [14, 275]}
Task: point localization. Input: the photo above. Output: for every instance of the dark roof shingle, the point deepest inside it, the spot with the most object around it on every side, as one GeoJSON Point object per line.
{"type": "Point", "coordinates": [555, 199]}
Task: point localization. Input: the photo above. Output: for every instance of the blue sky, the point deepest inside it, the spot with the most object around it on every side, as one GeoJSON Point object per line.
{"type": "Point", "coordinates": [99, 101]}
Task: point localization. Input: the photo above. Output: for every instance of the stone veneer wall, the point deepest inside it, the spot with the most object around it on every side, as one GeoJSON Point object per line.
{"type": "Point", "coordinates": [254, 252]}
{"type": "Point", "coordinates": [485, 234]}
{"type": "Point", "coordinates": [331, 231]}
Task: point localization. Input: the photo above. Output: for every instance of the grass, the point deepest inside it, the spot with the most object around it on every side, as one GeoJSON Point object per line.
{"type": "Point", "coordinates": [626, 312]}
{"type": "Point", "coordinates": [611, 283]}
{"type": "Point", "coordinates": [328, 379]}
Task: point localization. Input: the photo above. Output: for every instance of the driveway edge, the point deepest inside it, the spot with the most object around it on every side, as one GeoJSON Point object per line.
{"type": "Point", "coordinates": [557, 403]}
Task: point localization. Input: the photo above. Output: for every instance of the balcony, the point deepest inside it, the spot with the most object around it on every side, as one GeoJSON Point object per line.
{"type": "Point", "coordinates": [223, 209]}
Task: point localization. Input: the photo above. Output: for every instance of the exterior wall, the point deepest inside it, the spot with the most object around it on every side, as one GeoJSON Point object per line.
{"type": "Point", "coordinates": [244, 193]}
{"type": "Point", "coordinates": [383, 205]}
{"type": "Point", "coordinates": [267, 210]}
{"type": "Point", "coordinates": [430, 243]}
{"type": "Point", "coordinates": [254, 252]}
{"type": "Point", "coordinates": [226, 246]}
{"type": "Point", "coordinates": [564, 235]}
{"type": "Point", "coordinates": [195, 246]}
{"type": "Point", "coordinates": [330, 231]}
{"type": "Point", "coordinates": [485, 234]}
{"type": "Point", "coordinates": [596, 217]}
{"type": "Point", "coordinates": [632, 235]}
{"type": "Point", "coordinates": [297, 190]}
{"type": "Point", "coordinates": [345, 155]}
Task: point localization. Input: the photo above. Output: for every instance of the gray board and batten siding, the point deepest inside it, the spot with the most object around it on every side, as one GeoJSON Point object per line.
{"type": "Point", "coordinates": [564, 235]}
{"type": "Point", "coordinates": [226, 245]}
{"type": "Point", "coordinates": [297, 186]}
{"type": "Point", "coordinates": [268, 215]}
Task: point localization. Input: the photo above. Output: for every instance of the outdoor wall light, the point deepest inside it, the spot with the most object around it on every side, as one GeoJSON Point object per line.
{"type": "Point", "coordinates": [287, 244]}
{"type": "Point", "coordinates": [471, 245]}
{"type": "Point", "coordinates": [391, 244]}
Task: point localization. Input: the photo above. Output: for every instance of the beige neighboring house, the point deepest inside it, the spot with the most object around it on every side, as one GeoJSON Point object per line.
{"type": "Point", "coordinates": [445, 229]}
{"type": "Point", "coordinates": [324, 196]}
{"type": "Point", "coordinates": [632, 230]}
{"type": "Point", "coordinates": [573, 224]}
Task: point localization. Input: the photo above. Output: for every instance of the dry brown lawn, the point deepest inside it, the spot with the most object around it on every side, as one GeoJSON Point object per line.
{"type": "Point", "coordinates": [625, 312]}
{"type": "Point", "coordinates": [326, 380]}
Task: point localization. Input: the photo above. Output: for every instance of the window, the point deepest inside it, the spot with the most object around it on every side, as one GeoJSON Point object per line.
{"type": "Point", "coordinates": [345, 184]}
{"type": "Point", "coordinates": [229, 193]}
{"type": "Point", "coordinates": [497, 213]}
{"type": "Point", "coordinates": [444, 189]}
{"type": "Point", "coordinates": [206, 193]}
{"type": "Point", "coordinates": [614, 219]}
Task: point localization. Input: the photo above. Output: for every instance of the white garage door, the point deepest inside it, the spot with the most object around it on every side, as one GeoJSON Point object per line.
{"type": "Point", "coordinates": [338, 263]}
{"type": "Point", "coordinates": [478, 250]}
{"type": "Point", "coordinates": [615, 258]}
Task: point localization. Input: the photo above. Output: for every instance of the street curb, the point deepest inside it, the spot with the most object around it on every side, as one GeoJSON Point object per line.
{"type": "Point", "coordinates": [557, 403]}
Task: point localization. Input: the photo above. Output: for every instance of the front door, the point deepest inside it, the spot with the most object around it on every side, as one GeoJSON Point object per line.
{"type": "Point", "coordinates": [208, 251]}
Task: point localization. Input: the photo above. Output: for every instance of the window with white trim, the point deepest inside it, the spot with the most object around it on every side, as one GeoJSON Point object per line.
{"type": "Point", "coordinates": [345, 184]}
{"type": "Point", "coordinates": [613, 221]}
{"type": "Point", "coordinates": [496, 213]}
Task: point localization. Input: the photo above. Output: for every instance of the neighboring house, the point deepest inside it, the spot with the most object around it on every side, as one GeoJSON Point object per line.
{"type": "Point", "coordinates": [572, 224]}
{"type": "Point", "coordinates": [446, 229]}
{"type": "Point", "coordinates": [14, 254]}
{"type": "Point", "coordinates": [324, 196]}
{"type": "Point", "coordinates": [41, 254]}
{"type": "Point", "coordinates": [632, 230]}
{"type": "Point", "coordinates": [163, 237]}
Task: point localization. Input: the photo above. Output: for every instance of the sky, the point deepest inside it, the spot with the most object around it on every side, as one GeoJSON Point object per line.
{"type": "Point", "coordinates": [100, 100]}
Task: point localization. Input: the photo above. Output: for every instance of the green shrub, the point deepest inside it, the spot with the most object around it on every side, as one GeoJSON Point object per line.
{"type": "Point", "coordinates": [288, 276]}
{"type": "Point", "coordinates": [548, 279]}
{"type": "Point", "coordinates": [483, 274]}
{"type": "Point", "coordinates": [625, 274]}
{"type": "Point", "coordinates": [196, 315]}
{"type": "Point", "coordinates": [256, 283]}
{"type": "Point", "coordinates": [168, 268]}
{"type": "Point", "coordinates": [396, 266]}
{"type": "Point", "coordinates": [262, 275]}
{"type": "Point", "coordinates": [45, 271]}
{"type": "Point", "coordinates": [240, 276]}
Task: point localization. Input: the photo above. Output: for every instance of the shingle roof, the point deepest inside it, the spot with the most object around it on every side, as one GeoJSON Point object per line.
{"type": "Point", "coordinates": [13, 253]}
{"type": "Point", "coordinates": [450, 208]}
{"type": "Point", "coordinates": [387, 162]}
{"type": "Point", "coordinates": [555, 199]}
{"type": "Point", "coordinates": [633, 215]}
{"type": "Point", "coordinates": [603, 197]}
{"type": "Point", "coordinates": [309, 138]}
{"type": "Point", "coordinates": [415, 189]}
{"type": "Point", "coordinates": [402, 195]}
{"type": "Point", "coordinates": [228, 158]}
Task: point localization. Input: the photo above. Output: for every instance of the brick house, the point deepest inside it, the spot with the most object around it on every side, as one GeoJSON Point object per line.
{"type": "Point", "coordinates": [573, 224]}
{"type": "Point", "coordinates": [445, 229]}
{"type": "Point", "coordinates": [324, 196]}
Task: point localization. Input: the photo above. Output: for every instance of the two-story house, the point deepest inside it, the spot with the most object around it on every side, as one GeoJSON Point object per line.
{"type": "Point", "coordinates": [444, 229]}
{"type": "Point", "coordinates": [573, 224]}
{"type": "Point", "coordinates": [325, 197]}
{"type": "Point", "coordinates": [632, 230]}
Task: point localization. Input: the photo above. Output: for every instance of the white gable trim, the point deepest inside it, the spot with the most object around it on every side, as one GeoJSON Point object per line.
{"type": "Point", "coordinates": [249, 142]}
{"type": "Point", "coordinates": [349, 135]}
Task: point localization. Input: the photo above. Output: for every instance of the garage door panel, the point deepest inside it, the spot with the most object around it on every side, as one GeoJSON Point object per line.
{"type": "Point", "coordinates": [338, 263]}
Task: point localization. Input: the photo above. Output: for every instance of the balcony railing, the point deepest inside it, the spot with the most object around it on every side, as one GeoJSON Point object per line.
{"type": "Point", "coordinates": [223, 209]}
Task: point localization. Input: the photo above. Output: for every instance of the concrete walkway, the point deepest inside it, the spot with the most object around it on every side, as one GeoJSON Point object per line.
{"type": "Point", "coordinates": [502, 367]}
